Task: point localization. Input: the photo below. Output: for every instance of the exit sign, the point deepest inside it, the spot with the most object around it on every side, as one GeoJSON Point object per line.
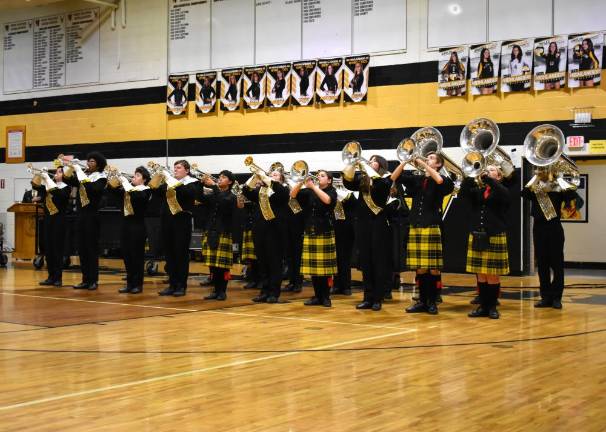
{"type": "Point", "coordinates": [576, 142]}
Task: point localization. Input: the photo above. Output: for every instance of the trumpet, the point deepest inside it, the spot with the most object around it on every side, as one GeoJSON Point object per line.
{"type": "Point", "coordinates": [257, 170]}
{"type": "Point", "coordinates": [113, 177]}
{"type": "Point", "coordinates": [160, 175]}
{"type": "Point", "coordinates": [68, 165]}
{"type": "Point", "coordinates": [352, 156]}
{"type": "Point", "coordinates": [38, 173]}
{"type": "Point", "coordinates": [201, 175]}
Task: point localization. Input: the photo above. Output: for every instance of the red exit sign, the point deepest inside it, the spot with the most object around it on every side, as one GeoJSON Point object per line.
{"type": "Point", "coordinates": [576, 142]}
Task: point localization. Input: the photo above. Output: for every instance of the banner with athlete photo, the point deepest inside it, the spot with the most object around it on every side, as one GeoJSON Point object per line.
{"type": "Point", "coordinates": [206, 94]}
{"type": "Point", "coordinates": [355, 78]}
{"type": "Point", "coordinates": [452, 71]}
{"type": "Point", "coordinates": [584, 57]}
{"type": "Point", "coordinates": [253, 87]}
{"type": "Point", "coordinates": [176, 94]}
{"type": "Point", "coordinates": [516, 65]}
{"type": "Point", "coordinates": [303, 79]}
{"type": "Point", "coordinates": [484, 67]}
{"type": "Point", "coordinates": [550, 62]}
{"type": "Point", "coordinates": [230, 85]}
{"type": "Point", "coordinates": [278, 85]}
{"type": "Point", "coordinates": [329, 80]}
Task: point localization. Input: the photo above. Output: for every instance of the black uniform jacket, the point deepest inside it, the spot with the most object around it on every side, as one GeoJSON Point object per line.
{"type": "Point", "coordinates": [379, 192]}
{"type": "Point", "coordinates": [221, 207]}
{"type": "Point", "coordinates": [557, 198]}
{"type": "Point", "coordinates": [277, 201]}
{"type": "Point", "coordinates": [427, 198]}
{"type": "Point", "coordinates": [59, 196]}
{"type": "Point", "coordinates": [94, 190]}
{"type": "Point", "coordinates": [487, 213]}
{"type": "Point", "coordinates": [318, 216]}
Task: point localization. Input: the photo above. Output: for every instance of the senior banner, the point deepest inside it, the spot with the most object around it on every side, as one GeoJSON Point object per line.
{"type": "Point", "coordinates": [303, 80]}
{"type": "Point", "coordinates": [329, 80]}
{"type": "Point", "coordinates": [176, 94]}
{"type": "Point", "coordinates": [253, 87]}
{"type": "Point", "coordinates": [550, 63]}
{"type": "Point", "coordinates": [484, 67]}
{"type": "Point", "coordinates": [278, 85]}
{"type": "Point", "coordinates": [206, 94]}
{"type": "Point", "coordinates": [355, 78]}
{"type": "Point", "coordinates": [584, 57]}
{"type": "Point", "coordinates": [516, 65]}
{"type": "Point", "coordinates": [452, 71]}
{"type": "Point", "coordinates": [230, 82]}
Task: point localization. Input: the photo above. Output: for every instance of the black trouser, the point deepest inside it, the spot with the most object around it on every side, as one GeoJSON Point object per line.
{"type": "Point", "coordinates": [269, 248]}
{"type": "Point", "coordinates": [295, 225]}
{"type": "Point", "coordinates": [54, 242]}
{"type": "Point", "coordinates": [132, 242]}
{"type": "Point", "coordinates": [321, 287]}
{"type": "Point", "coordinates": [176, 235]}
{"type": "Point", "coordinates": [219, 279]}
{"type": "Point", "coordinates": [344, 239]}
{"type": "Point", "coordinates": [548, 240]}
{"type": "Point", "coordinates": [88, 245]}
{"type": "Point", "coordinates": [374, 244]}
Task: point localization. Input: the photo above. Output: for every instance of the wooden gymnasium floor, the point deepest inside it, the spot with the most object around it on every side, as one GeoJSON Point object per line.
{"type": "Point", "coordinates": [92, 361]}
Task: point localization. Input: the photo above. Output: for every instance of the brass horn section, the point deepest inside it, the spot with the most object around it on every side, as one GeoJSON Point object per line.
{"type": "Point", "coordinates": [196, 172]}
{"type": "Point", "coordinates": [37, 172]}
{"type": "Point", "coordinates": [483, 135]}
{"type": "Point", "coordinates": [352, 155]}
{"type": "Point", "coordinates": [299, 172]}
{"type": "Point", "coordinates": [113, 177]}
{"type": "Point", "coordinates": [473, 164]}
{"type": "Point", "coordinates": [68, 165]}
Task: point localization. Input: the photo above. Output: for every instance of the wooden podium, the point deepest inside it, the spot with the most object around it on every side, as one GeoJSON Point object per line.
{"type": "Point", "coordinates": [25, 229]}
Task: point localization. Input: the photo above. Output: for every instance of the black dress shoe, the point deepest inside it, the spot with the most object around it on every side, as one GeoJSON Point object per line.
{"type": "Point", "coordinates": [57, 283]}
{"type": "Point", "coordinates": [211, 296]}
{"type": "Point", "coordinates": [136, 290]}
{"type": "Point", "coordinates": [168, 291]}
{"type": "Point", "coordinates": [81, 285]}
{"type": "Point", "coordinates": [432, 309]}
{"type": "Point", "coordinates": [272, 299]}
{"type": "Point", "coordinates": [93, 286]}
{"type": "Point", "coordinates": [46, 282]}
{"type": "Point", "coordinates": [250, 285]}
{"type": "Point", "coordinates": [416, 308]}
{"type": "Point", "coordinates": [314, 301]}
{"type": "Point", "coordinates": [124, 290]}
{"type": "Point", "coordinates": [557, 304]}
{"type": "Point", "coordinates": [327, 303]}
{"type": "Point", "coordinates": [493, 313]}
{"type": "Point", "coordinates": [543, 304]}
{"type": "Point", "coordinates": [364, 305]}
{"type": "Point", "coordinates": [221, 296]}
{"type": "Point", "coordinates": [346, 291]}
{"type": "Point", "coordinates": [261, 298]}
{"type": "Point", "coordinates": [376, 307]}
{"type": "Point", "coordinates": [179, 292]}
{"type": "Point", "coordinates": [476, 300]}
{"type": "Point", "coordinates": [479, 312]}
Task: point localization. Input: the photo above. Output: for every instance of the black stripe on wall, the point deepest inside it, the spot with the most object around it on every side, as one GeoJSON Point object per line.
{"type": "Point", "coordinates": [411, 73]}
{"type": "Point", "coordinates": [372, 139]}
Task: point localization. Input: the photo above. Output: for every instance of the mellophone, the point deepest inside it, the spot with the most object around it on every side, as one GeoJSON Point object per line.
{"type": "Point", "coordinates": [543, 147]}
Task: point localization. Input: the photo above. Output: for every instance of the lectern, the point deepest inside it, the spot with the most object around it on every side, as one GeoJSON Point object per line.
{"type": "Point", "coordinates": [25, 229]}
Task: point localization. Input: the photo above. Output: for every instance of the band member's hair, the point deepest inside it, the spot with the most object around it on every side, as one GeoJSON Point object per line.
{"type": "Point", "coordinates": [382, 163]}
{"type": "Point", "coordinates": [438, 157]}
{"type": "Point", "coordinates": [499, 170]}
{"type": "Point", "coordinates": [144, 173]}
{"type": "Point", "coordinates": [229, 175]}
{"type": "Point", "coordinates": [519, 56]}
{"type": "Point", "coordinates": [99, 158]}
{"type": "Point", "coordinates": [183, 163]}
{"type": "Point", "coordinates": [282, 178]}
{"type": "Point", "coordinates": [328, 174]}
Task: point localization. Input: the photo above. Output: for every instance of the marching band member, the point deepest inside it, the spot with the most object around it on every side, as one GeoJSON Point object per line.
{"type": "Point", "coordinates": [397, 215]}
{"type": "Point", "coordinates": [345, 209]}
{"type": "Point", "coordinates": [487, 255]}
{"type": "Point", "coordinates": [548, 236]}
{"type": "Point", "coordinates": [179, 193]}
{"type": "Point", "coordinates": [319, 258]}
{"type": "Point", "coordinates": [294, 227]}
{"type": "Point", "coordinates": [217, 251]}
{"type": "Point", "coordinates": [270, 196]}
{"type": "Point", "coordinates": [54, 196]}
{"type": "Point", "coordinates": [372, 230]}
{"type": "Point", "coordinates": [424, 249]}
{"type": "Point", "coordinates": [91, 185]}
{"type": "Point", "coordinates": [247, 254]}
{"type": "Point", "coordinates": [136, 197]}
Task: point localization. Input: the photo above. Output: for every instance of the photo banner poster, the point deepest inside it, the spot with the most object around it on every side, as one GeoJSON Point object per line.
{"type": "Point", "coordinates": [584, 57]}
{"type": "Point", "coordinates": [176, 94]}
{"type": "Point", "coordinates": [230, 85]}
{"type": "Point", "coordinates": [452, 71]}
{"type": "Point", "coordinates": [576, 210]}
{"type": "Point", "coordinates": [206, 93]}
{"type": "Point", "coordinates": [303, 79]}
{"type": "Point", "coordinates": [550, 56]}
{"type": "Point", "coordinates": [484, 66]}
{"type": "Point", "coordinates": [329, 80]}
{"type": "Point", "coordinates": [278, 85]}
{"type": "Point", "coordinates": [355, 78]}
{"type": "Point", "coordinates": [516, 65]}
{"type": "Point", "coordinates": [254, 87]}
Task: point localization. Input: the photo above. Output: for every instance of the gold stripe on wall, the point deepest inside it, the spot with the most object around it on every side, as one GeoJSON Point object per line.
{"type": "Point", "coordinates": [387, 107]}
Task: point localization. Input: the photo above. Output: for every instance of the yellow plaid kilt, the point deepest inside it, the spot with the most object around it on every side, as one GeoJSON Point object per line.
{"type": "Point", "coordinates": [221, 257]}
{"type": "Point", "coordinates": [424, 248]}
{"type": "Point", "coordinates": [492, 261]}
{"type": "Point", "coordinates": [248, 247]}
{"type": "Point", "coordinates": [319, 256]}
